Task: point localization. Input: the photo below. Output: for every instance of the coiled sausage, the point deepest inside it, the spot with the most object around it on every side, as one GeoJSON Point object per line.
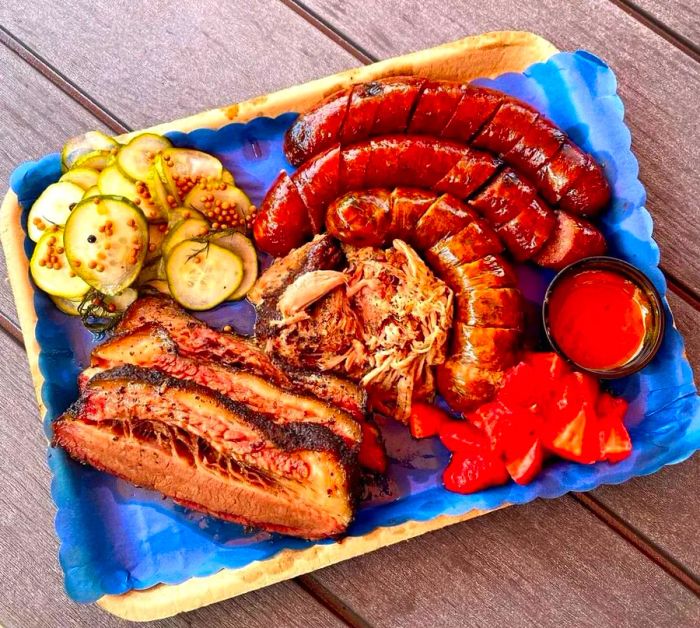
{"type": "Point", "coordinates": [565, 175]}
{"type": "Point", "coordinates": [464, 252]}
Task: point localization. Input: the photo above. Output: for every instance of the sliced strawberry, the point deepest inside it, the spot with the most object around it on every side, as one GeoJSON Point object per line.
{"type": "Point", "coordinates": [523, 468]}
{"type": "Point", "coordinates": [372, 454]}
{"type": "Point", "coordinates": [473, 470]}
{"type": "Point", "coordinates": [461, 435]}
{"type": "Point", "coordinates": [615, 442]}
{"type": "Point", "coordinates": [425, 420]}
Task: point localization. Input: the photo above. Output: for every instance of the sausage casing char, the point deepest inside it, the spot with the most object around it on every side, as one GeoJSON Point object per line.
{"type": "Point", "coordinates": [564, 175]}
{"type": "Point", "coordinates": [295, 207]}
{"type": "Point", "coordinates": [465, 253]}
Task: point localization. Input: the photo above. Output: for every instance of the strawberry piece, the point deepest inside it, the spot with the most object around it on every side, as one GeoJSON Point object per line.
{"type": "Point", "coordinates": [425, 420]}
{"type": "Point", "coordinates": [524, 467]}
{"type": "Point", "coordinates": [460, 436]}
{"type": "Point", "coordinates": [495, 420]}
{"type": "Point", "coordinates": [372, 454]}
{"type": "Point", "coordinates": [615, 442]}
{"type": "Point", "coordinates": [473, 470]}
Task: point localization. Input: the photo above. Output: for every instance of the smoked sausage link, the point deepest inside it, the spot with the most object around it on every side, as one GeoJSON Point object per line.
{"type": "Point", "coordinates": [464, 251]}
{"type": "Point", "coordinates": [533, 145]}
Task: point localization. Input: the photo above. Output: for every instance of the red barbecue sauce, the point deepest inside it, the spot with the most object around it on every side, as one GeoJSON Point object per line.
{"type": "Point", "coordinates": [599, 318]}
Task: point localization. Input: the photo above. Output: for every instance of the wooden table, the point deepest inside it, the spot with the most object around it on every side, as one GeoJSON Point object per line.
{"type": "Point", "coordinates": [621, 555]}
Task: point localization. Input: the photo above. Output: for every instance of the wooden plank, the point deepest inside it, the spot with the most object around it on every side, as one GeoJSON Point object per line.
{"type": "Point", "coordinates": [658, 84]}
{"type": "Point", "coordinates": [174, 59]}
{"type": "Point", "coordinates": [658, 507]}
{"type": "Point", "coordinates": [549, 563]}
{"type": "Point", "coordinates": [35, 118]}
{"type": "Point", "coordinates": [679, 16]}
{"type": "Point", "coordinates": [32, 580]}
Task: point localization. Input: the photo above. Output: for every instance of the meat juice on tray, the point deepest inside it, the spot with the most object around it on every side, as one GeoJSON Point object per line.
{"type": "Point", "coordinates": [396, 242]}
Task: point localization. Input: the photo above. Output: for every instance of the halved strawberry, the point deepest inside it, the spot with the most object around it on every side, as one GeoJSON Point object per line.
{"type": "Point", "coordinates": [425, 420]}
{"type": "Point", "coordinates": [548, 365]}
{"type": "Point", "coordinates": [495, 420]}
{"type": "Point", "coordinates": [460, 435]}
{"type": "Point", "coordinates": [615, 442]}
{"type": "Point", "coordinates": [372, 454]}
{"type": "Point", "coordinates": [473, 470]}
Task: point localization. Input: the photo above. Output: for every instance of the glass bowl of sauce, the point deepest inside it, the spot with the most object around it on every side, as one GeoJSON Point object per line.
{"type": "Point", "coordinates": [604, 316]}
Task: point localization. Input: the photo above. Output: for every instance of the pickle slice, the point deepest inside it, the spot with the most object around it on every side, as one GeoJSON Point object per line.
{"type": "Point", "coordinates": [182, 168]}
{"type": "Point", "coordinates": [136, 158]}
{"type": "Point", "coordinates": [240, 245]}
{"type": "Point", "coordinates": [52, 207]}
{"type": "Point", "coordinates": [90, 192]}
{"type": "Point", "coordinates": [84, 177]}
{"type": "Point", "coordinates": [184, 230]}
{"type": "Point", "coordinates": [201, 275]}
{"type": "Point", "coordinates": [81, 145]}
{"type": "Point", "coordinates": [223, 204]}
{"type": "Point", "coordinates": [51, 271]}
{"type": "Point", "coordinates": [97, 160]}
{"type": "Point", "coordinates": [106, 239]}
{"type": "Point", "coordinates": [112, 182]}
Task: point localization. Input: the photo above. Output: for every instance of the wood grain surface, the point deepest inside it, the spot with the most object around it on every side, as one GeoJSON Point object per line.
{"type": "Point", "coordinates": [679, 16]}
{"type": "Point", "coordinates": [548, 563]}
{"type": "Point", "coordinates": [174, 58]}
{"type": "Point", "coordinates": [658, 84]}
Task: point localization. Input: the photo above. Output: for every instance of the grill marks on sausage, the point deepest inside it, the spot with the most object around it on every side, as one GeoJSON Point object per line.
{"type": "Point", "coordinates": [464, 251]}
{"type": "Point", "coordinates": [506, 126]}
{"type": "Point", "coordinates": [509, 202]}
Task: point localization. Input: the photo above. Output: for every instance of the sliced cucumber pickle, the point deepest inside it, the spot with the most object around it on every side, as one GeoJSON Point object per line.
{"type": "Point", "coordinates": [225, 205]}
{"type": "Point", "coordinates": [156, 187]}
{"type": "Point", "coordinates": [135, 159]}
{"type": "Point", "coordinates": [51, 271]}
{"type": "Point", "coordinates": [183, 168]}
{"type": "Point", "coordinates": [178, 214]}
{"type": "Point", "coordinates": [227, 177]}
{"type": "Point", "coordinates": [67, 306]}
{"type": "Point", "coordinates": [52, 207]}
{"type": "Point", "coordinates": [112, 182]}
{"type": "Point", "coordinates": [185, 230]}
{"type": "Point", "coordinates": [97, 160]}
{"type": "Point", "coordinates": [84, 177]}
{"type": "Point", "coordinates": [156, 235]}
{"type": "Point", "coordinates": [90, 192]}
{"type": "Point", "coordinates": [106, 239]}
{"type": "Point", "coordinates": [152, 271]}
{"type": "Point", "coordinates": [158, 285]}
{"type": "Point", "coordinates": [201, 275]}
{"type": "Point", "coordinates": [87, 143]}
{"type": "Point", "coordinates": [240, 245]}
{"type": "Point", "coordinates": [122, 300]}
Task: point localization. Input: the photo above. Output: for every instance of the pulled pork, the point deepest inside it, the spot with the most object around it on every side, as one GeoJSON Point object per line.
{"type": "Point", "coordinates": [384, 321]}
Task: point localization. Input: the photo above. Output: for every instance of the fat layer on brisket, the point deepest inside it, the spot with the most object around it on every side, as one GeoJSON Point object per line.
{"type": "Point", "coordinates": [211, 453]}
{"type": "Point", "coordinates": [150, 346]}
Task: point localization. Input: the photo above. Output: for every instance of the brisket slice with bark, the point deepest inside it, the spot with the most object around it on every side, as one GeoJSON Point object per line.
{"type": "Point", "coordinates": [210, 453]}
{"type": "Point", "coordinates": [195, 338]}
{"type": "Point", "coordinates": [151, 346]}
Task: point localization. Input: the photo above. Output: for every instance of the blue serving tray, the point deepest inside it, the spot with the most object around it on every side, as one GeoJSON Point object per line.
{"type": "Point", "coordinates": [116, 538]}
